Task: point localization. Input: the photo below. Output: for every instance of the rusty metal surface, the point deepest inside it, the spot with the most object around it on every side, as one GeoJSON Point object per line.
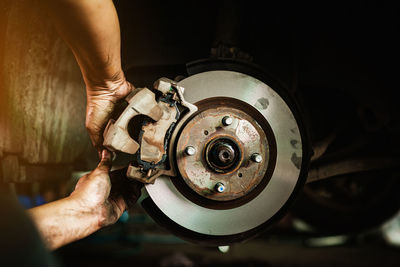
{"type": "Point", "coordinates": [148, 177]}
{"type": "Point", "coordinates": [164, 110]}
{"type": "Point", "coordinates": [154, 137]}
{"type": "Point", "coordinates": [204, 129]}
{"type": "Point", "coordinates": [152, 145]}
{"type": "Point", "coordinates": [116, 135]}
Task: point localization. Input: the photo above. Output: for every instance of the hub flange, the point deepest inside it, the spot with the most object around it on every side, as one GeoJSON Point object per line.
{"type": "Point", "coordinates": [223, 152]}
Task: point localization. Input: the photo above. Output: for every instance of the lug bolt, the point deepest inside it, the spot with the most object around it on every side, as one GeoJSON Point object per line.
{"type": "Point", "coordinates": [190, 151]}
{"type": "Point", "coordinates": [226, 121]}
{"type": "Point", "coordinates": [256, 157]}
{"type": "Point", "coordinates": [219, 187]}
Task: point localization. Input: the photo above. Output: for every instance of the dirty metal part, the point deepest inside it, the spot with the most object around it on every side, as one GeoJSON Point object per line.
{"type": "Point", "coordinates": [340, 204]}
{"type": "Point", "coordinates": [229, 103]}
{"type": "Point", "coordinates": [155, 135]}
{"type": "Point", "coordinates": [149, 176]}
{"type": "Point", "coordinates": [191, 109]}
{"type": "Point", "coordinates": [320, 147]}
{"type": "Point", "coordinates": [165, 86]}
{"type": "Point", "coordinates": [224, 152]}
{"type": "Point", "coordinates": [141, 102]}
{"type": "Point", "coordinates": [349, 166]}
{"type": "Point", "coordinates": [284, 175]}
{"type": "Point", "coordinates": [152, 143]}
{"type": "Point", "coordinates": [154, 139]}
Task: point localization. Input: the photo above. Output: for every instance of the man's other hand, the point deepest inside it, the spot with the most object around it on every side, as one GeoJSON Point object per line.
{"type": "Point", "coordinates": [93, 193]}
{"type": "Point", "coordinates": [101, 101]}
{"type": "Point", "coordinates": [97, 201]}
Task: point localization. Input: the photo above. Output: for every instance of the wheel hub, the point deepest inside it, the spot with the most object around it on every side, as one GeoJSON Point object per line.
{"type": "Point", "coordinates": [222, 154]}
{"type": "Point", "coordinates": [223, 151]}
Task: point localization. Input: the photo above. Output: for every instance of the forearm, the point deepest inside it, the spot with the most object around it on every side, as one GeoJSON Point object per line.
{"type": "Point", "coordinates": [64, 221]}
{"type": "Point", "coordinates": [91, 29]}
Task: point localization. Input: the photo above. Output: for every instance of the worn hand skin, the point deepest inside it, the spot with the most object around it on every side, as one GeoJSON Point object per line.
{"type": "Point", "coordinates": [91, 29]}
{"type": "Point", "coordinates": [91, 206]}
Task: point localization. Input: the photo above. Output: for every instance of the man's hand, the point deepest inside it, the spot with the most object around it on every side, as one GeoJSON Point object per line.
{"type": "Point", "coordinates": [91, 29]}
{"type": "Point", "coordinates": [92, 192]}
{"type": "Point", "coordinates": [96, 202]}
{"type": "Point", "coordinates": [101, 101]}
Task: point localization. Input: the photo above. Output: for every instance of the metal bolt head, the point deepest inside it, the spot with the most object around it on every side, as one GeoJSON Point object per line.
{"type": "Point", "coordinates": [226, 121]}
{"type": "Point", "coordinates": [190, 151]}
{"type": "Point", "coordinates": [219, 187]}
{"type": "Point", "coordinates": [256, 158]}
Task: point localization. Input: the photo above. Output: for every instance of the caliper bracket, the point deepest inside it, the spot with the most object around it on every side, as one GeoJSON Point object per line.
{"type": "Point", "coordinates": [151, 148]}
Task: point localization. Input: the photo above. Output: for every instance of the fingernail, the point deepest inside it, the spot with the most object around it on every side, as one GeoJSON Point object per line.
{"type": "Point", "coordinates": [105, 154]}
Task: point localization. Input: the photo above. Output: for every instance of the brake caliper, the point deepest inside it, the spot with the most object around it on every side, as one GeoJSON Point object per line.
{"type": "Point", "coordinates": [163, 110]}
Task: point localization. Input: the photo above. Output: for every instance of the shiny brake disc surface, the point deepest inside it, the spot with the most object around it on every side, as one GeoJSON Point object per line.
{"type": "Point", "coordinates": [285, 170]}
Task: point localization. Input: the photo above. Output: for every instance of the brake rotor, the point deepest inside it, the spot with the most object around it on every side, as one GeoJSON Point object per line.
{"type": "Point", "coordinates": [238, 160]}
{"type": "Point", "coordinates": [221, 153]}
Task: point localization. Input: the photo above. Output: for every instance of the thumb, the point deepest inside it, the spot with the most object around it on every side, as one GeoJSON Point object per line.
{"type": "Point", "coordinates": [105, 163]}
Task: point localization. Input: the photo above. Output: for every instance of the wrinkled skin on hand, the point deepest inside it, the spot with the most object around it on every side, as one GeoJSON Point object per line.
{"type": "Point", "coordinates": [101, 102]}
{"type": "Point", "coordinates": [106, 197]}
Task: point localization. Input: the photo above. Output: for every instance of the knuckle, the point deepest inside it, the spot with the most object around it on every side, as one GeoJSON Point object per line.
{"type": "Point", "coordinates": [100, 173]}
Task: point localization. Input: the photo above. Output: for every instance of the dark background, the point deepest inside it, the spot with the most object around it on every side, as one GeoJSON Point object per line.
{"type": "Point", "coordinates": [339, 61]}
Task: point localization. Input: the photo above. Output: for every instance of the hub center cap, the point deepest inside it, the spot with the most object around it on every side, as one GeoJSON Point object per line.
{"type": "Point", "coordinates": [222, 154]}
